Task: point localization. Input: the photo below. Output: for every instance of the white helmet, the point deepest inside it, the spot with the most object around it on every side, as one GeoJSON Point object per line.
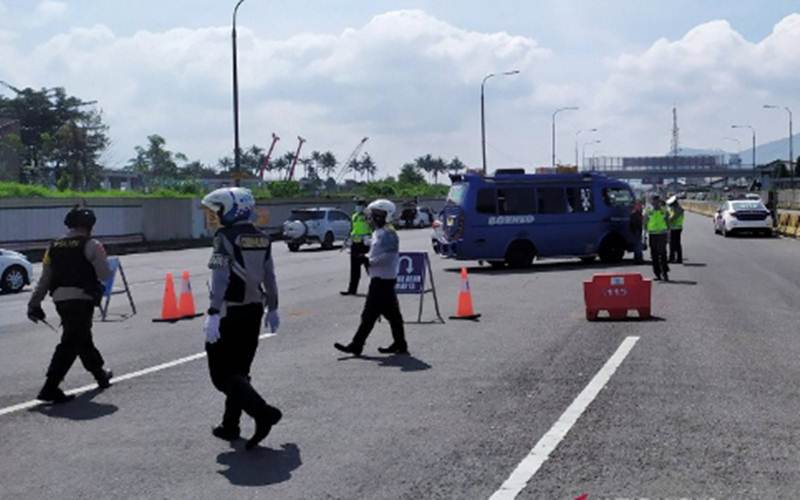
{"type": "Point", "coordinates": [382, 205]}
{"type": "Point", "coordinates": [231, 204]}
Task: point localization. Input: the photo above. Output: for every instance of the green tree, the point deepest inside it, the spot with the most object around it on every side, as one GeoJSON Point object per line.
{"type": "Point", "coordinates": [409, 174]}
{"type": "Point", "coordinates": [155, 160]}
{"type": "Point", "coordinates": [328, 163]}
{"type": "Point", "coordinates": [456, 166]}
{"type": "Point", "coordinates": [367, 166]}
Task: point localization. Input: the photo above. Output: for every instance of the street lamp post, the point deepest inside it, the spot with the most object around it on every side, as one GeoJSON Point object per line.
{"type": "Point", "coordinates": [576, 142]}
{"type": "Point", "coordinates": [754, 145]}
{"type": "Point", "coordinates": [559, 110]}
{"type": "Point", "coordinates": [791, 141]}
{"type": "Point", "coordinates": [236, 156]}
{"type": "Point", "coordinates": [483, 116]}
{"type": "Point", "coordinates": [583, 154]}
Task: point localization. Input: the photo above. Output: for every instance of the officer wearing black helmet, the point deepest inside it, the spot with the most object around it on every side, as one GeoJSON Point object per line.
{"type": "Point", "coordinates": [72, 271]}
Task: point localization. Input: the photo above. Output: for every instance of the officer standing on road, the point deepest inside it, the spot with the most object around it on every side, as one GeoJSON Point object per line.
{"type": "Point", "coordinates": [72, 270]}
{"type": "Point", "coordinates": [636, 227]}
{"type": "Point", "coordinates": [676, 216]}
{"type": "Point", "coordinates": [381, 297]}
{"type": "Point", "coordinates": [657, 229]}
{"type": "Point", "coordinates": [359, 233]}
{"type": "Point", "coordinates": [242, 280]}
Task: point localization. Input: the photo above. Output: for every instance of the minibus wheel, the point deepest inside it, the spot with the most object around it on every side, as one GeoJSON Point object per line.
{"type": "Point", "coordinates": [612, 249]}
{"type": "Point", "coordinates": [520, 254]}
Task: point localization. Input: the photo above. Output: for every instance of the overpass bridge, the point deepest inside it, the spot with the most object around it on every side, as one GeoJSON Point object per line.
{"type": "Point", "coordinates": [655, 169]}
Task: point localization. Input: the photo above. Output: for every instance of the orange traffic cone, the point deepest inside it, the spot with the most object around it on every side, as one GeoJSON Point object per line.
{"type": "Point", "coordinates": [186, 308]}
{"type": "Point", "coordinates": [464, 309]}
{"type": "Point", "coordinates": [169, 305]}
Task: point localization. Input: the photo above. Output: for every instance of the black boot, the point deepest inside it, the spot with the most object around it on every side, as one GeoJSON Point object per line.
{"type": "Point", "coordinates": [103, 378]}
{"type": "Point", "coordinates": [349, 349]}
{"type": "Point", "coordinates": [50, 393]}
{"type": "Point", "coordinates": [226, 433]}
{"type": "Point", "coordinates": [394, 349]}
{"type": "Point", "coordinates": [263, 426]}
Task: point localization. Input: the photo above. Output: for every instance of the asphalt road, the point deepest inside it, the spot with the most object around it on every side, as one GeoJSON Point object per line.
{"type": "Point", "coordinates": [704, 405]}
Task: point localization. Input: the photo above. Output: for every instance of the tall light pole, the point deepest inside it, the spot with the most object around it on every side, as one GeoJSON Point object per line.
{"type": "Point", "coordinates": [237, 176]}
{"type": "Point", "coordinates": [483, 118]}
{"type": "Point", "coordinates": [754, 146]}
{"type": "Point", "coordinates": [559, 110]}
{"type": "Point", "coordinates": [791, 140]}
{"type": "Point", "coordinates": [579, 132]}
{"type": "Point", "coordinates": [583, 156]}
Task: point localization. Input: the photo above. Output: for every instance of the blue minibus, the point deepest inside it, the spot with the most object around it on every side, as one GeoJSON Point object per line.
{"type": "Point", "coordinates": [512, 218]}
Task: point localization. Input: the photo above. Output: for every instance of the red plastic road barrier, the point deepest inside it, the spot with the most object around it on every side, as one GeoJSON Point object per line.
{"type": "Point", "coordinates": [617, 294]}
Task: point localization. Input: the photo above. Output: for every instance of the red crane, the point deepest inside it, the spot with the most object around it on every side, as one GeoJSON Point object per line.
{"type": "Point", "coordinates": [264, 165]}
{"type": "Point", "coordinates": [300, 142]}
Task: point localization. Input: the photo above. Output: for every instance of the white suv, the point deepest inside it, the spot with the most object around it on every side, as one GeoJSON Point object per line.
{"type": "Point", "coordinates": [316, 225]}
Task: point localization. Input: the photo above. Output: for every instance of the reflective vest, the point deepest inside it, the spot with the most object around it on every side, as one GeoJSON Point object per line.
{"type": "Point", "coordinates": [69, 265]}
{"type": "Point", "coordinates": [676, 219]}
{"type": "Point", "coordinates": [360, 227]}
{"type": "Point", "coordinates": [657, 221]}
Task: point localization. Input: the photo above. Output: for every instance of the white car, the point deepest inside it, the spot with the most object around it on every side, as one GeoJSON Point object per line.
{"type": "Point", "coordinates": [316, 225]}
{"type": "Point", "coordinates": [15, 271]}
{"type": "Point", "coordinates": [418, 217]}
{"type": "Point", "coordinates": [739, 216]}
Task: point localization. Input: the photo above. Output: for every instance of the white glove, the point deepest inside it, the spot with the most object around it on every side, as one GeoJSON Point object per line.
{"type": "Point", "coordinates": [211, 328]}
{"type": "Point", "coordinates": [272, 321]}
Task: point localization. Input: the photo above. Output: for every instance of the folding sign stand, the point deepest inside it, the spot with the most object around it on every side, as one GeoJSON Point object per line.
{"type": "Point", "coordinates": [115, 264]}
{"type": "Point", "coordinates": [412, 270]}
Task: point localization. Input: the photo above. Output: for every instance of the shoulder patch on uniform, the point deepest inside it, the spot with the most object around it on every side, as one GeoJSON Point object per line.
{"type": "Point", "coordinates": [253, 242]}
{"type": "Point", "coordinates": [218, 261]}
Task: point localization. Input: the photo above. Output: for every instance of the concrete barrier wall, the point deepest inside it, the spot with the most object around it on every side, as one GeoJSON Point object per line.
{"type": "Point", "coordinates": [30, 223]}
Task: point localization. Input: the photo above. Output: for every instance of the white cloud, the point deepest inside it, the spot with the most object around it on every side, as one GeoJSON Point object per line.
{"type": "Point", "coordinates": [50, 9]}
{"type": "Point", "coordinates": [411, 82]}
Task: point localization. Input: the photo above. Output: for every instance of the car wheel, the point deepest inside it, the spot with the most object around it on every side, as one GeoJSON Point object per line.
{"type": "Point", "coordinates": [293, 247]}
{"type": "Point", "coordinates": [725, 232]}
{"type": "Point", "coordinates": [497, 264]}
{"type": "Point", "coordinates": [14, 279]}
{"type": "Point", "coordinates": [588, 259]}
{"type": "Point", "coordinates": [327, 242]}
{"type": "Point", "coordinates": [520, 254]}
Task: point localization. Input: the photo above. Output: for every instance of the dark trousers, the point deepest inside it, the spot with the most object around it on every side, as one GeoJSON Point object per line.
{"type": "Point", "coordinates": [358, 258]}
{"type": "Point", "coordinates": [76, 341]}
{"type": "Point", "coordinates": [658, 254]}
{"type": "Point", "coordinates": [381, 301]}
{"type": "Point", "coordinates": [675, 247]}
{"type": "Point", "coordinates": [229, 361]}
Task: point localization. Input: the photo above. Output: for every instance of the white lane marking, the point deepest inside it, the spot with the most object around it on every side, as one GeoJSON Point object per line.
{"type": "Point", "coordinates": [80, 390]}
{"type": "Point", "coordinates": [526, 469]}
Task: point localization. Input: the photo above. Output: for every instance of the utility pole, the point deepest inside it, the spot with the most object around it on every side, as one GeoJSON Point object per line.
{"type": "Point", "coordinates": [237, 175]}
{"type": "Point", "coordinates": [568, 108]}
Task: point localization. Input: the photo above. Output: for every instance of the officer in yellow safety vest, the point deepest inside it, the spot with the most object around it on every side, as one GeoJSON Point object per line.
{"type": "Point", "coordinates": [359, 235]}
{"type": "Point", "coordinates": [656, 223]}
{"type": "Point", "coordinates": [676, 216]}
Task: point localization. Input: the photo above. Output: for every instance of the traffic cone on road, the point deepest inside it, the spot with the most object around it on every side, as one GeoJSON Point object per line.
{"type": "Point", "coordinates": [169, 304]}
{"type": "Point", "coordinates": [464, 309]}
{"type": "Point", "coordinates": [186, 308]}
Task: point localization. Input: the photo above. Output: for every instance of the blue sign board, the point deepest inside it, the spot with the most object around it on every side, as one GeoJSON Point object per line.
{"type": "Point", "coordinates": [411, 273]}
{"type": "Point", "coordinates": [113, 264]}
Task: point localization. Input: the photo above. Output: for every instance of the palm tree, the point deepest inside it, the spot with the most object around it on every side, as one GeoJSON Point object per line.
{"type": "Point", "coordinates": [368, 166]}
{"type": "Point", "coordinates": [328, 163]}
{"type": "Point", "coordinates": [455, 166]}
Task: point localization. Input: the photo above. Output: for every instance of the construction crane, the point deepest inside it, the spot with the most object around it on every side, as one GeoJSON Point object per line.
{"type": "Point", "coordinates": [346, 165]}
{"type": "Point", "coordinates": [264, 165]}
{"type": "Point", "coordinates": [300, 142]}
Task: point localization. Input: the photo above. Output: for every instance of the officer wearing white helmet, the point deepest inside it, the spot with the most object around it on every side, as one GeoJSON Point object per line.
{"type": "Point", "coordinates": [242, 282]}
{"type": "Point", "coordinates": [381, 297]}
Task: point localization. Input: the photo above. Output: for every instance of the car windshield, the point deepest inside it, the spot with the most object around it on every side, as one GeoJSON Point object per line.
{"type": "Point", "coordinates": [304, 215]}
{"type": "Point", "coordinates": [747, 205]}
{"type": "Point", "coordinates": [456, 194]}
{"type": "Point", "coordinates": [618, 197]}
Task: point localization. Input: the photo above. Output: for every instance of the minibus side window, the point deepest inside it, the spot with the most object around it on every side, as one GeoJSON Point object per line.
{"type": "Point", "coordinates": [551, 200]}
{"type": "Point", "coordinates": [580, 199]}
{"type": "Point", "coordinates": [487, 201]}
{"type": "Point", "coordinates": [516, 201]}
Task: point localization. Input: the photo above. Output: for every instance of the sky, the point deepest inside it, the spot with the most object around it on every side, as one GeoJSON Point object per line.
{"type": "Point", "coordinates": [407, 74]}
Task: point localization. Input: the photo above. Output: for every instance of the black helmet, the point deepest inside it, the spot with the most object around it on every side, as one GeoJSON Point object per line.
{"type": "Point", "coordinates": [80, 217]}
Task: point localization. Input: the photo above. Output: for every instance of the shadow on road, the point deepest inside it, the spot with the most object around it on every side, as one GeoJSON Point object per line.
{"type": "Point", "coordinates": [628, 319]}
{"type": "Point", "coordinates": [544, 267]}
{"type": "Point", "coordinates": [693, 264]}
{"type": "Point", "coordinates": [260, 466]}
{"type": "Point", "coordinates": [81, 408]}
{"type": "Point", "coordinates": [406, 362]}
{"type": "Point", "coordinates": [317, 249]}
{"type": "Point", "coordinates": [678, 282]}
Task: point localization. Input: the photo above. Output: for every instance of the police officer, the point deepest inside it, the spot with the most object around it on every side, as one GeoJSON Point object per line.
{"type": "Point", "coordinates": [657, 228]}
{"type": "Point", "coordinates": [242, 281]}
{"type": "Point", "coordinates": [72, 269]}
{"type": "Point", "coordinates": [359, 233]}
{"type": "Point", "coordinates": [676, 216]}
{"type": "Point", "coordinates": [381, 297]}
